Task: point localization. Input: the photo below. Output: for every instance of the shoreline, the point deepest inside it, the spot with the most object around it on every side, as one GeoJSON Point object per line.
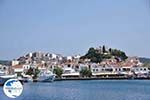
{"type": "Point", "coordinates": [84, 79]}
{"type": "Point", "coordinates": [72, 79]}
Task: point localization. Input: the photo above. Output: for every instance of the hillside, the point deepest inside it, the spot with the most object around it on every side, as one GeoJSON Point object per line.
{"type": "Point", "coordinates": [5, 62]}
{"type": "Point", "coordinates": [144, 60]}
{"type": "Point", "coordinates": [98, 54]}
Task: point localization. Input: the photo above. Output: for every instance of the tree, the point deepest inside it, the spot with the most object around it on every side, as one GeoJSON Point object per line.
{"type": "Point", "coordinates": [34, 72]}
{"type": "Point", "coordinates": [85, 72]}
{"type": "Point", "coordinates": [30, 71]}
{"type": "Point", "coordinates": [104, 49]}
{"type": "Point", "coordinates": [93, 55]}
{"type": "Point", "coordinates": [97, 57]}
{"type": "Point", "coordinates": [58, 71]}
{"type": "Point", "coordinates": [110, 50]}
{"type": "Point", "coordinates": [119, 54]}
{"type": "Point", "coordinates": [108, 56]}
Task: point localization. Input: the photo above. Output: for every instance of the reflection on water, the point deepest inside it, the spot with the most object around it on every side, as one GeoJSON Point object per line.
{"type": "Point", "coordinates": [85, 90]}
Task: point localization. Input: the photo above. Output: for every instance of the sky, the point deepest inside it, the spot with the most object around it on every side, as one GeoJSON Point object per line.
{"type": "Point", "coordinates": [70, 27]}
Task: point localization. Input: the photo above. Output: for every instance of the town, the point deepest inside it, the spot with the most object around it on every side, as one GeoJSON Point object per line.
{"type": "Point", "coordinates": [98, 63]}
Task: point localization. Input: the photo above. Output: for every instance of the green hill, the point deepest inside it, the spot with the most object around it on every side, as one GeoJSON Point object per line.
{"type": "Point", "coordinates": [98, 54]}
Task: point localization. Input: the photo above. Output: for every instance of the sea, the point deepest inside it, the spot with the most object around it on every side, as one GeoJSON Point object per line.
{"type": "Point", "coordinates": [85, 90]}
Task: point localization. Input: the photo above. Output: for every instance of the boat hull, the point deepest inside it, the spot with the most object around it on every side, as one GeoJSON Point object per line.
{"type": "Point", "coordinates": [4, 78]}
{"type": "Point", "coordinates": [50, 78]}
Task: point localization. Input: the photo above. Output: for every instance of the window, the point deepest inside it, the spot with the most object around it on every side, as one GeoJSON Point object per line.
{"type": "Point", "coordinates": [109, 69]}
{"type": "Point", "coordinates": [119, 69]}
{"type": "Point", "coordinates": [93, 70]}
{"type": "Point", "coordinates": [126, 69]}
{"type": "Point", "coordinates": [97, 70]}
{"type": "Point", "coordinates": [116, 69]}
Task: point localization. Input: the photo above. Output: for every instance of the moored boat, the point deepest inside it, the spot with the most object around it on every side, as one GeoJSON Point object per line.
{"type": "Point", "coordinates": [46, 76]}
{"type": "Point", "coordinates": [26, 78]}
{"type": "Point", "coordinates": [4, 78]}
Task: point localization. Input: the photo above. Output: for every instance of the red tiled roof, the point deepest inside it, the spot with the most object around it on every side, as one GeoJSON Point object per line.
{"type": "Point", "coordinates": [17, 66]}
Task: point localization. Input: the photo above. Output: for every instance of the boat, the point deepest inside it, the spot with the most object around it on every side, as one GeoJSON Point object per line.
{"type": "Point", "coordinates": [26, 78]}
{"type": "Point", "coordinates": [4, 77]}
{"type": "Point", "coordinates": [46, 76]}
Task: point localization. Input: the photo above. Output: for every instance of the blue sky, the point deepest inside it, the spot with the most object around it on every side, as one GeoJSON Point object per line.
{"type": "Point", "coordinates": [72, 26]}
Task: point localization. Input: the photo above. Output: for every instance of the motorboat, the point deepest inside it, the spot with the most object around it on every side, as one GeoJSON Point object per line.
{"type": "Point", "coordinates": [4, 77]}
{"type": "Point", "coordinates": [46, 76]}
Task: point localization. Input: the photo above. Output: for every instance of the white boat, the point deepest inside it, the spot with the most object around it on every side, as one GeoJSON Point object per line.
{"type": "Point", "coordinates": [4, 77]}
{"type": "Point", "coordinates": [26, 78]}
{"type": "Point", "coordinates": [46, 76]}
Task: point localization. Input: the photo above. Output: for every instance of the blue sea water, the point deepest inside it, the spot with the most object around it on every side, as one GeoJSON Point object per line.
{"type": "Point", "coordinates": [85, 90]}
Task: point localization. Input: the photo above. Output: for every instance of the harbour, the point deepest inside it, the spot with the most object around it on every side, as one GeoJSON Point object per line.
{"type": "Point", "coordinates": [75, 50]}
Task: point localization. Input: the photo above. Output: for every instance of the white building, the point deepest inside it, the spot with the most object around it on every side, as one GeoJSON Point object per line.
{"type": "Point", "coordinates": [18, 68]}
{"type": "Point", "coordinates": [26, 66]}
{"type": "Point", "coordinates": [53, 56]}
{"type": "Point", "coordinates": [82, 66]}
{"type": "Point", "coordinates": [70, 72]}
{"type": "Point", "coordinates": [30, 54]}
{"type": "Point", "coordinates": [14, 62]}
{"type": "Point", "coordinates": [140, 70]}
{"type": "Point", "coordinates": [69, 58]}
{"type": "Point", "coordinates": [110, 70]}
